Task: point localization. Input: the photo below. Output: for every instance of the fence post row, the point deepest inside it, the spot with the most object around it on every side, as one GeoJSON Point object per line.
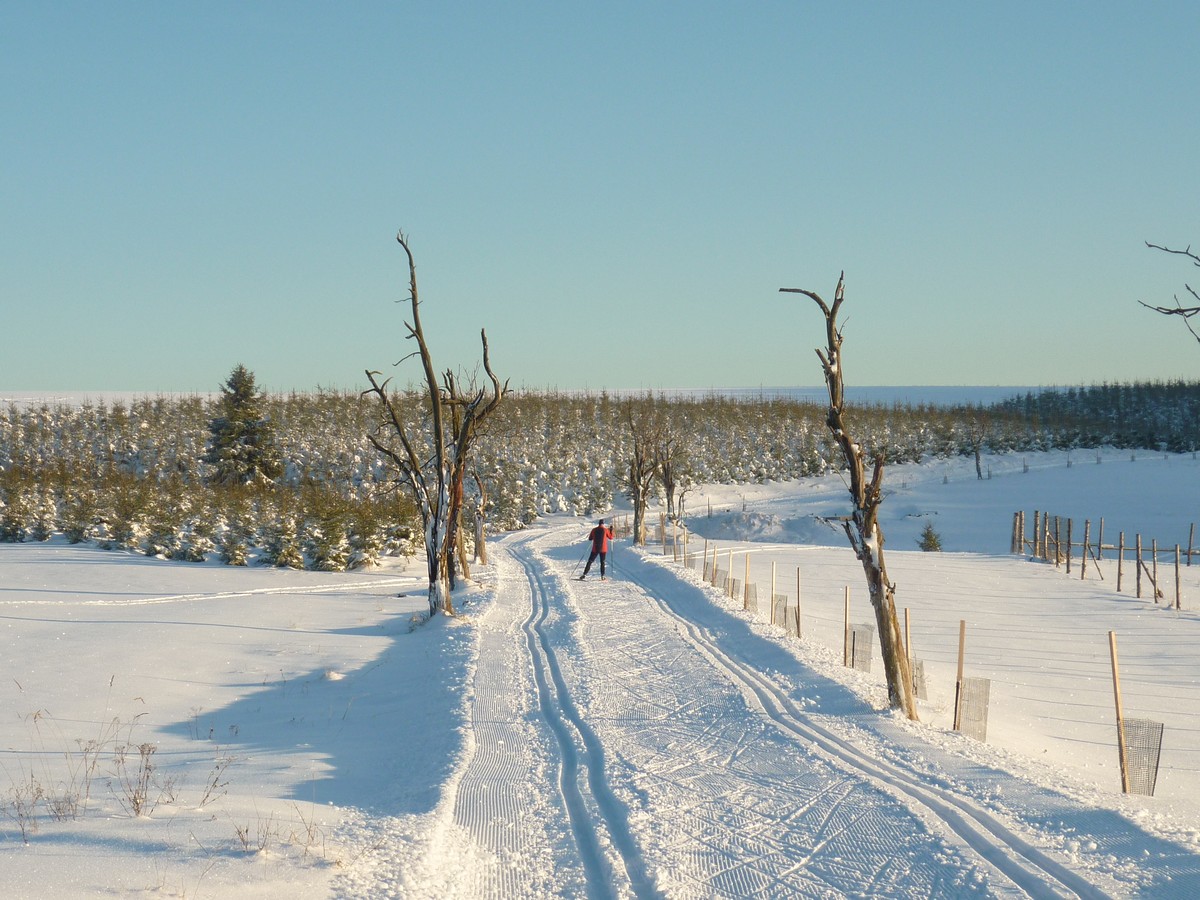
{"type": "Point", "coordinates": [1044, 535]}
{"type": "Point", "coordinates": [1138, 750]}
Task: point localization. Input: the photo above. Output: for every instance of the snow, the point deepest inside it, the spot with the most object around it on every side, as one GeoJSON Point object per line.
{"type": "Point", "coordinates": [314, 736]}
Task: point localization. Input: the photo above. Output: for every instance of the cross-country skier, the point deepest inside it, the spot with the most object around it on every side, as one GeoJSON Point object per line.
{"type": "Point", "coordinates": [599, 536]}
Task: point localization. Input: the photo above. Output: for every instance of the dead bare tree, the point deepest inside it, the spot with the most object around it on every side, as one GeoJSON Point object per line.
{"type": "Point", "coordinates": [670, 462]}
{"type": "Point", "coordinates": [862, 526]}
{"type": "Point", "coordinates": [481, 508]}
{"type": "Point", "coordinates": [639, 476]}
{"type": "Point", "coordinates": [1184, 312]}
{"type": "Point", "coordinates": [451, 421]}
{"type": "Point", "coordinates": [467, 413]}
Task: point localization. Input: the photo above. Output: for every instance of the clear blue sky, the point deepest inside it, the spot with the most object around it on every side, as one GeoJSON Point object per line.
{"type": "Point", "coordinates": [615, 191]}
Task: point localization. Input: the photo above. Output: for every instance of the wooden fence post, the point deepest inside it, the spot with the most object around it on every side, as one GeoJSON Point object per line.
{"type": "Point", "coordinates": [746, 589]}
{"type": "Point", "coordinates": [1140, 566]}
{"type": "Point", "coordinates": [1120, 559]}
{"type": "Point", "coordinates": [962, 646]}
{"type": "Point", "coordinates": [1177, 606]}
{"type": "Point", "coordinates": [1154, 561]}
{"type": "Point", "coordinates": [1069, 521]}
{"type": "Point", "coordinates": [797, 601]}
{"type": "Point", "coordinates": [1191, 534]}
{"type": "Point", "coordinates": [846, 633]}
{"type": "Point", "coordinates": [1087, 548]}
{"type": "Point", "coordinates": [1100, 542]}
{"type": "Point", "coordinates": [1112, 649]}
{"type": "Point", "coordinates": [1037, 534]}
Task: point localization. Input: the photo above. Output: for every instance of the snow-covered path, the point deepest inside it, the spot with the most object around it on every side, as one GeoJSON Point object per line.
{"type": "Point", "coordinates": [637, 738]}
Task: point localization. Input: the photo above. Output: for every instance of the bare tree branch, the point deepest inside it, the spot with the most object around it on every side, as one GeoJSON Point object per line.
{"type": "Point", "coordinates": [1184, 312]}
{"type": "Point", "coordinates": [1195, 258]}
{"type": "Point", "coordinates": [437, 481]}
{"type": "Point", "coordinates": [862, 527]}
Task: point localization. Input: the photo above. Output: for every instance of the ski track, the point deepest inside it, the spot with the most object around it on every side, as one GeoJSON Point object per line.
{"type": "Point", "coordinates": [582, 764]}
{"type": "Point", "coordinates": [517, 829]}
{"type": "Point", "coordinates": [1029, 868]}
{"type": "Point", "coordinates": [620, 745]}
{"type": "Point", "coordinates": [721, 803]}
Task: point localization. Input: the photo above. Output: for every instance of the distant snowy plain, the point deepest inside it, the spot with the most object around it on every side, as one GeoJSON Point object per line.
{"type": "Point", "coordinates": [642, 736]}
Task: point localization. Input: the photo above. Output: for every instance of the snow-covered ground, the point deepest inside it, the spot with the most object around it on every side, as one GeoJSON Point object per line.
{"type": "Point", "coordinates": [293, 734]}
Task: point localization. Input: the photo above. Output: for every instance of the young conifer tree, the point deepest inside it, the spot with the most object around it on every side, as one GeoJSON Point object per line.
{"type": "Point", "coordinates": [241, 447]}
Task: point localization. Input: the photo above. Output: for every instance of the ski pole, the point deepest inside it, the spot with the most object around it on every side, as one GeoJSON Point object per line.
{"type": "Point", "coordinates": [578, 564]}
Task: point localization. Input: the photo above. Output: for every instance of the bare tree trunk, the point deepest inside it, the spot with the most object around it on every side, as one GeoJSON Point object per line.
{"type": "Point", "coordinates": [468, 414]}
{"type": "Point", "coordinates": [640, 474]}
{"type": "Point", "coordinates": [436, 482]}
{"type": "Point", "coordinates": [480, 521]}
{"type": "Point", "coordinates": [862, 527]}
{"type": "Point", "coordinates": [461, 549]}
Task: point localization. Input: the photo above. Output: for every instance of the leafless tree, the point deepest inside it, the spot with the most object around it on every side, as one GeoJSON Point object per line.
{"type": "Point", "coordinates": [639, 476]}
{"type": "Point", "coordinates": [481, 508]}
{"type": "Point", "coordinates": [862, 526]}
{"type": "Point", "coordinates": [1184, 312]}
{"type": "Point", "coordinates": [670, 462]}
{"type": "Point", "coordinates": [451, 421]}
{"type": "Point", "coordinates": [468, 412]}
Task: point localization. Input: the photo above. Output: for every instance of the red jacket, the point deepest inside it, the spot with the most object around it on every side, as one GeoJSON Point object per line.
{"type": "Point", "coordinates": [600, 536]}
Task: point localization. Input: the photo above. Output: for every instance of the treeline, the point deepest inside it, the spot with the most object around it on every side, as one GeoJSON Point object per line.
{"type": "Point", "coordinates": [134, 476]}
{"type": "Point", "coordinates": [1160, 415]}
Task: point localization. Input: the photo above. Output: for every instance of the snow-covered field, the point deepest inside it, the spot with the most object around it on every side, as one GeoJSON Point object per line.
{"type": "Point", "coordinates": [293, 734]}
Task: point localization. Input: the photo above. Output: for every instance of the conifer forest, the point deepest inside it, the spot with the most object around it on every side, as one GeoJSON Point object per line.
{"type": "Point", "coordinates": [160, 475]}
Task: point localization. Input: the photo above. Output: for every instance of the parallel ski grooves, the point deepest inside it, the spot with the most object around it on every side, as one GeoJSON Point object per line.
{"type": "Point", "coordinates": [1029, 868]}
{"type": "Point", "coordinates": [561, 717]}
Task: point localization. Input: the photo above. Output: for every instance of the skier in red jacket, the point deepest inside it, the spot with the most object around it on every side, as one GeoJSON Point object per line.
{"type": "Point", "coordinates": [599, 536]}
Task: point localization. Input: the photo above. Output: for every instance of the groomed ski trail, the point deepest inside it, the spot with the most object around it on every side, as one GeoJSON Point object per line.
{"type": "Point", "coordinates": [633, 738]}
{"type": "Point", "coordinates": [1031, 870]}
{"type": "Point", "coordinates": [688, 780]}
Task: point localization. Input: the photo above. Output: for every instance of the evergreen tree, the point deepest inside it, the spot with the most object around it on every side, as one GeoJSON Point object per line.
{"type": "Point", "coordinates": [241, 447]}
{"type": "Point", "coordinates": [930, 541]}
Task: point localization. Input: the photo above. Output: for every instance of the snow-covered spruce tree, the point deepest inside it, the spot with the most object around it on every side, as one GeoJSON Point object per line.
{"type": "Point", "coordinates": [15, 512]}
{"type": "Point", "coordinates": [196, 536]}
{"type": "Point", "coordinates": [77, 512]}
{"type": "Point", "coordinates": [324, 537]}
{"type": "Point", "coordinates": [233, 540]}
{"type": "Point", "coordinates": [163, 527]}
{"type": "Point", "coordinates": [449, 426]}
{"type": "Point", "coordinates": [862, 526]}
{"type": "Point", "coordinates": [281, 542]}
{"type": "Point", "coordinates": [241, 445]}
{"type": "Point", "coordinates": [122, 507]}
{"type": "Point", "coordinates": [366, 534]}
{"type": "Point", "coordinates": [930, 541]}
